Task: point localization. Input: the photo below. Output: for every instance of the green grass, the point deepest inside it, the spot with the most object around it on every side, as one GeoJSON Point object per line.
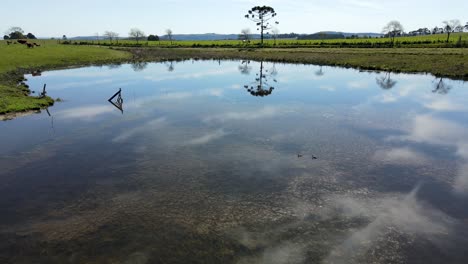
{"type": "Point", "coordinates": [51, 54]}
{"type": "Point", "coordinates": [18, 59]}
{"type": "Point", "coordinates": [448, 62]}
{"type": "Point", "coordinates": [437, 40]}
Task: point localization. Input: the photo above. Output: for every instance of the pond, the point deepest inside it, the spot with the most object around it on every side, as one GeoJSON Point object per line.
{"type": "Point", "coordinates": [192, 162]}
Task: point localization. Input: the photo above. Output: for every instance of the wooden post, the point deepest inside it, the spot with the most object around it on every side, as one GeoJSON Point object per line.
{"type": "Point", "coordinates": [43, 94]}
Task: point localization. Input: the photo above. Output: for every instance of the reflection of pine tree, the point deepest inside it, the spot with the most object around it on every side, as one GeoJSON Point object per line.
{"type": "Point", "coordinates": [386, 82]}
{"type": "Point", "coordinates": [441, 87]}
{"type": "Point", "coordinates": [261, 86]}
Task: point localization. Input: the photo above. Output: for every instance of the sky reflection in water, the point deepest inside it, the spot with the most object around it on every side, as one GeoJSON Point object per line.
{"type": "Point", "coordinates": [212, 161]}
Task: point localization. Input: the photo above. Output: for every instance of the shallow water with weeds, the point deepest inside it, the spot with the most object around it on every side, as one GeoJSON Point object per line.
{"type": "Point", "coordinates": [197, 164]}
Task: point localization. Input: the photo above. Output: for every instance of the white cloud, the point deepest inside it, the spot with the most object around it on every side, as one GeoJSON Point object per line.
{"type": "Point", "coordinates": [176, 96]}
{"type": "Point", "coordinates": [146, 127]}
{"type": "Point", "coordinates": [67, 85]}
{"type": "Point", "coordinates": [356, 85]}
{"type": "Point", "coordinates": [387, 98]}
{"type": "Point", "coordinates": [400, 156]}
{"type": "Point", "coordinates": [194, 75]}
{"type": "Point", "coordinates": [213, 92]}
{"type": "Point", "coordinates": [430, 130]}
{"type": "Point", "coordinates": [85, 112]}
{"type": "Point", "coordinates": [403, 214]}
{"type": "Point", "coordinates": [211, 136]}
{"type": "Point", "coordinates": [329, 88]}
{"type": "Point", "coordinates": [265, 112]}
{"type": "Point", "coordinates": [445, 104]}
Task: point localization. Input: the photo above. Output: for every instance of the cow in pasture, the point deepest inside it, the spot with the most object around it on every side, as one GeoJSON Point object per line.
{"type": "Point", "coordinates": [30, 45]}
{"type": "Point", "coordinates": [22, 41]}
{"type": "Point", "coordinates": [37, 45]}
{"type": "Point", "coordinates": [8, 42]}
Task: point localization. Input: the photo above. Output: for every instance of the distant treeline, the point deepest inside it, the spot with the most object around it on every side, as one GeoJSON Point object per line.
{"type": "Point", "coordinates": [322, 36]}
{"type": "Point", "coordinates": [459, 40]}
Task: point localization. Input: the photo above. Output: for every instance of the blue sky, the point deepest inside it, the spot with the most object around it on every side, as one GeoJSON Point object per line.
{"type": "Point", "coordinates": [52, 18]}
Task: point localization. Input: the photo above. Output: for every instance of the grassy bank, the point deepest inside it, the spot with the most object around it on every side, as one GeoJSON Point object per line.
{"type": "Point", "coordinates": [450, 63]}
{"type": "Point", "coordinates": [18, 60]}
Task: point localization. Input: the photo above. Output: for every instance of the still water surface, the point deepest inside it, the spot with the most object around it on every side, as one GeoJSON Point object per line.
{"type": "Point", "coordinates": [196, 165]}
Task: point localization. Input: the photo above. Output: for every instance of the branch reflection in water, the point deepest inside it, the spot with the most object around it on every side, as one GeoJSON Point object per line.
{"type": "Point", "coordinates": [441, 87]}
{"type": "Point", "coordinates": [52, 128]}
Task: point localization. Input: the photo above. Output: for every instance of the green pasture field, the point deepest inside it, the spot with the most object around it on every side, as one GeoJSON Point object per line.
{"type": "Point", "coordinates": [17, 59]}
{"type": "Point", "coordinates": [438, 40]}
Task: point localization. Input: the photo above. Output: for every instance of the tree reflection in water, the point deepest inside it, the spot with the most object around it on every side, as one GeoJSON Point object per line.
{"type": "Point", "coordinates": [441, 87]}
{"type": "Point", "coordinates": [170, 66]}
{"type": "Point", "coordinates": [245, 68]}
{"type": "Point", "coordinates": [319, 72]}
{"type": "Point", "coordinates": [385, 82]}
{"type": "Point", "coordinates": [114, 66]}
{"type": "Point", "coordinates": [261, 86]}
{"type": "Point", "coordinates": [138, 66]}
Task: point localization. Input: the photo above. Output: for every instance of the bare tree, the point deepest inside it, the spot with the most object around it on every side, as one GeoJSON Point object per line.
{"type": "Point", "coordinates": [136, 33]}
{"type": "Point", "coordinates": [466, 26]}
{"type": "Point", "coordinates": [97, 37]}
{"type": "Point", "coordinates": [437, 30]}
{"type": "Point", "coordinates": [169, 34]}
{"type": "Point", "coordinates": [393, 29]}
{"type": "Point", "coordinates": [261, 15]}
{"type": "Point", "coordinates": [111, 35]}
{"type": "Point", "coordinates": [14, 29]}
{"type": "Point", "coordinates": [15, 33]}
{"type": "Point", "coordinates": [245, 35]}
{"type": "Point", "coordinates": [275, 32]}
{"type": "Point", "coordinates": [450, 26]}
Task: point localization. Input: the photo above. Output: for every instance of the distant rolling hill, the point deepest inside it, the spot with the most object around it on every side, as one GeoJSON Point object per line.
{"type": "Point", "coordinates": [347, 34]}
{"type": "Point", "coordinates": [207, 36]}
